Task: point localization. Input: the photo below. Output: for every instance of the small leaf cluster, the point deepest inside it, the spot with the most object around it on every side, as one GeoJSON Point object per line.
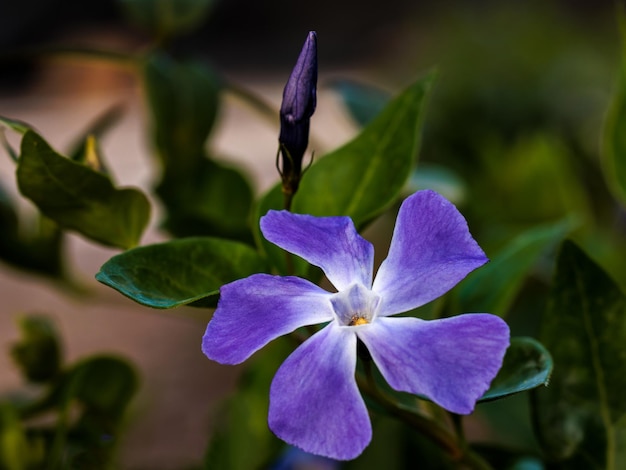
{"type": "Point", "coordinates": [67, 415]}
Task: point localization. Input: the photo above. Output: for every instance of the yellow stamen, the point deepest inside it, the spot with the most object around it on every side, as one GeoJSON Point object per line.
{"type": "Point", "coordinates": [357, 320]}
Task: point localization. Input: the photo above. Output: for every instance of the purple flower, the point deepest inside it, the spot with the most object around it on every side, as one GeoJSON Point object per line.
{"type": "Point", "coordinates": [299, 100]}
{"type": "Point", "coordinates": [314, 400]}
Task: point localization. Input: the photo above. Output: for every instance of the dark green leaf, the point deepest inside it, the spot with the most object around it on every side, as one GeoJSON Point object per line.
{"type": "Point", "coordinates": [104, 384]}
{"type": "Point", "coordinates": [179, 272]}
{"type": "Point", "coordinates": [364, 102]}
{"type": "Point", "coordinates": [184, 100]}
{"type": "Point", "coordinates": [212, 200]}
{"type": "Point", "coordinates": [79, 198]}
{"type": "Point", "coordinates": [527, 364]}
{"type": "Point", "coordinates": [366, 175]}
{"type": "Point", "coordinates": [493, 287]}
{"type": "Point", "coordinates": [243, 418]}
{"type": "Point", "coordinates": [581, 416]}
{"type": "Point", "coordinates": [165, 18]}
{"type": "Point", "coordinates": [38, 353]}
{"type": "Point", "coordinates": [614, 141]}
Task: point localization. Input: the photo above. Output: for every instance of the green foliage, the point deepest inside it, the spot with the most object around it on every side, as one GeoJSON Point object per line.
{"type": "Point", "coordinates": [367, 174]}
{"type": "Point", "coordinates": [83, 404]}
{"type": "Point", "coordinates": [212, 200]}
{"type": "Point", "coordinates": [202, 196]}
{"type": "Point", "coordinates": [527, 365]}
{"type": "Point", "coordinates": [363, 102]}
{"type": "Point", "coordinates": [581, 416]}
{"type": "Point", "coordinates": [37, 250]}
{"type": "Point", "coordinates": [165, 18]}
{"type": "Point", "coordinates": [614, 141]}
{"type": "Point", "coordinates": [79, 198]}
{"type": "Point", "coordinates": [363, 177]}
{"type": "Point", "coordinates": [493, 287]}
{"type": "Point", "coordinates": [183, 97]}
{"type": "Point", "coordinates": [243, 418]}
{"type": "Point", "coordinates": [179, 272]}
{"type": "Point", "coordinates": [38, 354]}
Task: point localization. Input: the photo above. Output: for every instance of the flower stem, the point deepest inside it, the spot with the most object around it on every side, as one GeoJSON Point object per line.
{"type": "Point", "coordinates": [458, 451]}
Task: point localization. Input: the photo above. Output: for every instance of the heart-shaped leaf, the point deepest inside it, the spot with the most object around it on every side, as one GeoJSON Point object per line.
{"type": "Point", "coordinates": [79, 198]}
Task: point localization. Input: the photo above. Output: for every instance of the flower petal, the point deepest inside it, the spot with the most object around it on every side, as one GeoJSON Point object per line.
{"type": "Point", "coordinates": [451, 361]}
{"type": "Point", "coordinates": [331, 243]}
{"type": "Point", "coordinates": [253, 311]}
{"type": "Point", "coordinates": [314, 400]}
{"type": "Point", "coordinates": [431, 251]}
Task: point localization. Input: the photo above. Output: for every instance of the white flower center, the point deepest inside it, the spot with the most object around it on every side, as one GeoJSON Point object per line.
{"type": "Point", "coordinates": [355, 306]}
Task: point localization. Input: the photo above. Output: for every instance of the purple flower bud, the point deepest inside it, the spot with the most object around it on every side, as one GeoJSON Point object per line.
{"type": "Point", "coordinates": [299, 99]}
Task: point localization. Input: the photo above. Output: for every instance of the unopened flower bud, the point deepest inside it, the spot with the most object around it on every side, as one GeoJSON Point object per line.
{"type": "Point", "coordinates": [299, 99]}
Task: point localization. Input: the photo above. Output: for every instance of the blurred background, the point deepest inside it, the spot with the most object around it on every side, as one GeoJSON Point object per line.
{"type": "Point", "coordinates": [515, 122]}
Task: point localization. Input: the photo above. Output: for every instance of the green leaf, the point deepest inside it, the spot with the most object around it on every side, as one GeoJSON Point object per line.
{"type": "Point", "coordinates": [527, 364]}
{"type": "Point", "coordinates": [179, 272]}
{"type": "Point", "coordinates": [243, 417]}
{"type": "Point", "coordinates": [213, 200]}
{"type": "Point", "coordinates": [38, 353]}
{"type": "Point", "coordinates": [78, 198]}
{"type": "Point", "coordinates": [104, 384]}
{"type": "Point", "coordinates": [581, 416]}
{"type": "Point", "coordinates": [184, 99]}
{"type": "Point", "coordinates": [364, 102]}
{"type": "Point", "coordinates": [165, 18]}
{"type": "Point", "coordinates": [366, 175]}
{"type": "Point", "coordinates": [614, 134]}
{"type": "Point", "coordinates": [493, 287]}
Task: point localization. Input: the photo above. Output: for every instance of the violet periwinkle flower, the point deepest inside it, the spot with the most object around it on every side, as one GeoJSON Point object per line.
{"type": "Point", "coordinates": [299, 100]}
{"type": "Point", "coordinates": [315, 403]}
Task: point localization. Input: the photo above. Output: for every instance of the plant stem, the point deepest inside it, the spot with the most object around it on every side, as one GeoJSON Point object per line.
{"type": "Point", "coordinates": [439, 435]}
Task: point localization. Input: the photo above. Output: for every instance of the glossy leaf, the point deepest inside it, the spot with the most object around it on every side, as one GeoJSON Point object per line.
{"type": "Point", "coordinates": [367, 174]}
{"type": "Point", "coordinates": [614, 139]}
{"type": "Point", "coordinates": [493, 287]}
{"type": "Point", "coordinates": [179, 272]}
{"type": "Point", "coordinates": [166, 18]}
{"type": "Point", "coordinates": [78, 198]}
{"type": "Point", "coordinates": [581, 416]}
{"type": "Point", "coordinates": [363, 102]}
{"type": "Point", "coordinates": [527, 364]}
{"type": "Point", "coordinates": [38, 353]}
{"type": "Point", "coordinates": [184, 99]}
